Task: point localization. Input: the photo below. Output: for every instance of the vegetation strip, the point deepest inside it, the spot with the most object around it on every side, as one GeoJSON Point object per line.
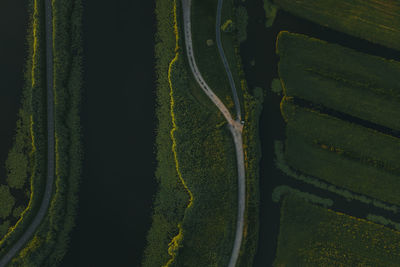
{"type": "Point", "coordinates": [50, 141]}
{"type": "Point", "coordinates": [377, 21]}
{"type": "Point", "coordinates": [340, 78]}
{"type": "Point", "coordinates": [314, 236]}
{"type": "Point", "coordinates": [175, 242]}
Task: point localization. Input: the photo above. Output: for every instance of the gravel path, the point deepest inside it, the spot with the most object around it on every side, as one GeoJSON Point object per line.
{"type": "Point", "coordinates": [50, 143]}
{"type": "Point", "coordinates": [235, 126]}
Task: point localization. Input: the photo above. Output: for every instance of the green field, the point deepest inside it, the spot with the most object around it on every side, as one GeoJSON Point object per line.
{"type": "Point", "coordinates": [310, 235]}
{"type": "Point", "coordinates": [339, 78]}
{"type": "Point", "coordinates": [341, 171]}
{"type": "Point", "coordinates": [377, 21]}
{"type": "Point", "coordinates": [345, 138]}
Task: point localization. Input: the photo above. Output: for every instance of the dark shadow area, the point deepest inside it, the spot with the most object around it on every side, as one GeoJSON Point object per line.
{"type": "Point", "coordinates": [118, 118]}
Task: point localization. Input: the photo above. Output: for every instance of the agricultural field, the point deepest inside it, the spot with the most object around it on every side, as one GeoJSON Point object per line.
{"type": "Point", "coordinates": [377, 21]}
{"type": "Point", "coordinates": [345, 138]}
{"type": "Point", "coordinates": [310, 235]}
{"type": "Point", "coordinates": [340, 78]}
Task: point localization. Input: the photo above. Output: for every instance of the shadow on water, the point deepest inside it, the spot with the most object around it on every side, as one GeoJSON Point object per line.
{"type": "Point", "coordinates": [260, 48]}
{"type": "Point", "coordinates": [13, 50]}
{"type": "Point", "coordinates": [118, 120]}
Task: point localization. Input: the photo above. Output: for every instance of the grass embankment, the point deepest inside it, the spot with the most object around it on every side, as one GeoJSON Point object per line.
{"type": "Point", "coordinates": [377, 21]}
{"type": "Point", "coordinates": [197, 156]}
{"type": "Point", "coordinates": [26, 163]}
{"type": "Point", "coordinates": [314, 236]}
{"type": "Point", "coordinates": [50, 241]}
{"type": "Point", "coordinates": [340, 78]}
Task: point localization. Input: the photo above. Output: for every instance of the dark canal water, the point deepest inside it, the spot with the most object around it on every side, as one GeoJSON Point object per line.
{"type": "Point", "coordinates": [260, 46]}
{"type": "Point", "coordinates": [13, 51]}
{"type": "Point", "coordinates": [118, 125]}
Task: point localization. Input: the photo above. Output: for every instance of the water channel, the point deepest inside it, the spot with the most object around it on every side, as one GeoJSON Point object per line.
{"type": "Point", "coordinates": [118, 119]}
{"type": "Point", "coordinates": [13, 52]}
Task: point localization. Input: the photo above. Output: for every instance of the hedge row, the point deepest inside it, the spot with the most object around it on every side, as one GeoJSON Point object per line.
{"type": "Point", "coordinates": [313, 236]}
{"type": "Point", "coordinates": [339, 78]}
{"type": "Point", "coordinates": [377, 21]}
{"type": "Point", "coordinates": [49, 243]}
{"type": "Point", "coordinates": [345, 138]}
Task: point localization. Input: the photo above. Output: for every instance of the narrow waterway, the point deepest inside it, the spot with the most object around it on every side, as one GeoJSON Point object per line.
{"type": "Point", "coordinates": [13, 51]}
{"type": "Point", "coordinates": [118, 119]}
{"type": "Point", "coordinates": [260, 48]}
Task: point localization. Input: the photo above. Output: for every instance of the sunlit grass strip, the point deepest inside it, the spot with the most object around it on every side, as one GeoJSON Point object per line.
{"type": "Point", "coordinates": [35, 40]}
{"type": "Point", "coordinates": [174, 244]}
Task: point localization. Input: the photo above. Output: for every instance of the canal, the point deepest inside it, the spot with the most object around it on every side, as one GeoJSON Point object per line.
{"type": "Point", "coordinates": [118, 118]}
{"type": "Point", "coordinates": [13, 52]}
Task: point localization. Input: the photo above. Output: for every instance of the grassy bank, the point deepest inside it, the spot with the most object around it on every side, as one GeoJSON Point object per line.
{"type": "Point", "coordinates": [49, 244]}
{"type": "Point", "coordinates": [377, 21]}
{"type": "Point", "coordinates": [196, 204]}
{"type": "Point", "coordinates": [313, 236]}
{"type": "Point", "coordinates": [340, 78]}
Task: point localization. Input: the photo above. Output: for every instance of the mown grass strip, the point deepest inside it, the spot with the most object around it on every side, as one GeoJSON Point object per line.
{"type": "Point", "coordinates": [310, 235]}
{"type": "Point", "coordinates": [344, 138]}
{"type": "Point", "coordinates": [377, 21]}
{"type": "Point", "coordinates": [339, 78]}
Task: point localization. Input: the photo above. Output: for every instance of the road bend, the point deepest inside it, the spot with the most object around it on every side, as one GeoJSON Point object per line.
{"type": "Point", "coordinates": [27, 235]}
{"type": "Point", "coordinates": [235, 127]}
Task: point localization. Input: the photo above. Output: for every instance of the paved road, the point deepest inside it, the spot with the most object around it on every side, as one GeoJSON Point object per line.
{"type": "Point", "coordinates": [234, 126]}
{"type": "Point", "coordinates": [225, 61]}
{"type": "Point", "coordinates": [50, 143]}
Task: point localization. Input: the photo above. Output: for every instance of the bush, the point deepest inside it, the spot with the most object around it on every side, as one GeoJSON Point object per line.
{"type": "Point", "coordinates": [241, 23]}
{"type": "Point", "coordinates": [7, 201]}
{"type": "Point", "coordinates": [271, 11]}
{"type": "Point", "coordinates": [340, 78]}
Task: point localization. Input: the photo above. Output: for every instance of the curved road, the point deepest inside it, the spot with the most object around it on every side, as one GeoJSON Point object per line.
{"type": "Point", "coordinates": [234, 125]}
{"type": "Point", "coordinates": [225, 61]}
{"type": "Point", "coordinates": [50, 143]}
